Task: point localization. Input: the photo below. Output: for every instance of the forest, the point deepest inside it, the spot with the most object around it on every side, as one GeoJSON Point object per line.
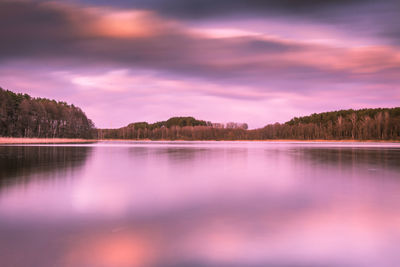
{"type": "Point", "coordinates": [24, 116]}
{"type": "Point", "coordinates": [176, 128]}
{"type": "Point", "coordinates": [363, 124]}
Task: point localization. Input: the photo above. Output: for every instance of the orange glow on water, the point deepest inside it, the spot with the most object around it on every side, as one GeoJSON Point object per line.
{"type": "Point", "coordinates": [112, 249]}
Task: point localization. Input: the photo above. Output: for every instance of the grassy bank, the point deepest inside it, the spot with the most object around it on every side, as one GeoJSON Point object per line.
{"type": "Point", "coordinates": [14, 140]}
{"type": "Point", "coordinates": [256, 140]}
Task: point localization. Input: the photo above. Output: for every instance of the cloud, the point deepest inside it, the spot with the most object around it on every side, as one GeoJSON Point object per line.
{"type": "Point", "coordinates": [204, 8]}
{"type": "Point", "coordinates": [361, 17]}
{"type": "Point", "coordinates": [45, 28]}
{"type": "Point", "coordinates": [94, 36]}
{"type": "Point", "coordinates": [69, 35]}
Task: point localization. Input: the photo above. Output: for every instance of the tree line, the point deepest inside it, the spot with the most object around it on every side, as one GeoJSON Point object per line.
{"type": "Point", "coordinates": [363, 124]}
{"type": "Point", "coordinates": [177, 128]}
{"type": "Point", "coordinates": [24, 116]}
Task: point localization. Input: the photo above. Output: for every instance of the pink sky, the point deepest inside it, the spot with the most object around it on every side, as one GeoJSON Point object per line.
{"type": "Point", "coordinates": [146, 61]}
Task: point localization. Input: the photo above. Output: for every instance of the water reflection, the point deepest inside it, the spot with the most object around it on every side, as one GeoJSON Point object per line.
{"type": "Point", "coordinates": [209, 204]}
{"type": "Point", "coordinates": [19, 164]}
{"type": "Point", "coordinates": [383, 157]}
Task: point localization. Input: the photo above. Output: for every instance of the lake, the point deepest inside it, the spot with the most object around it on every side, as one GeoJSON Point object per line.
{"type": "Point", "coordinates": [219, 204]}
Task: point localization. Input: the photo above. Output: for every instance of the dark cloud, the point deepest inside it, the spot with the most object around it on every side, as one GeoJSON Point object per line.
{"type": "Point", "coordinates": [57, 34]}
{"type": "Point", "coordinates": [34, 28]}
{"type": "Point", "coordinates": [362, 17]}
{"type": "Point", "coordinates": [52, 32]}
{"type": "Point", "coordinates": [205, 8]}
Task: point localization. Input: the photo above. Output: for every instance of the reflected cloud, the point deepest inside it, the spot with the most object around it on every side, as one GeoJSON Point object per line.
{"type": "Point", "coordinates": [125, 249]}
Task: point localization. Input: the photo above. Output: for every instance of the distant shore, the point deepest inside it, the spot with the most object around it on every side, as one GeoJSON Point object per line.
{"type": "Point", "coordinates": [16, 140]}
{"type": "Point", "coordinates": [262, 140]}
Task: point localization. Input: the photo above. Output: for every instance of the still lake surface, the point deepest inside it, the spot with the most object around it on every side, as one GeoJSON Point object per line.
{"type": "Point", "coordinates": [127, 204]}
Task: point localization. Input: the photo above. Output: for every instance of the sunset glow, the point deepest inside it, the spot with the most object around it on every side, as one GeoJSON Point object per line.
{"type": "Point", "coordinates": [150, 60]}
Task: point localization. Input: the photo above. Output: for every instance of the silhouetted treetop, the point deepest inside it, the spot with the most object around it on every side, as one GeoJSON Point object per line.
{"type": "Point", "coordinates": [174, 121]}
{"type": "Point", "coordinates": [24, 116]}
{"type": "Point", "coordinates": [332, 116]}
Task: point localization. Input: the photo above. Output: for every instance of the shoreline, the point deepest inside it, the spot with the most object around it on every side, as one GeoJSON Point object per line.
{"type": "Point", "coordinates": [23, 140]}
{"type": "Point", "coordinates": [262, 140]}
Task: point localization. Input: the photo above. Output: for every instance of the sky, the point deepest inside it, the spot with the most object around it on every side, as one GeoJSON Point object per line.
{"type": "Point", "coordinates": [254, 61]}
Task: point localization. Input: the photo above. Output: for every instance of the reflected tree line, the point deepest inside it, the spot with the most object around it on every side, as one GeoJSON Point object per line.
{"type": "Point", "coordinates": [24, 116]}
{"type": "Point", "coordinates": [18, 164]}
{"type": "Point", "coordinates": [370, 158]}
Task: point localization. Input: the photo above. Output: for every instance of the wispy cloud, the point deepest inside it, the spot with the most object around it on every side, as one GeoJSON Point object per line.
{"type": "Point", "coordinates": [144, 61]}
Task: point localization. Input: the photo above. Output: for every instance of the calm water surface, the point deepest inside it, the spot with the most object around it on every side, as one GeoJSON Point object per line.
{"type": "Point", "coordinates": [127, 204]}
